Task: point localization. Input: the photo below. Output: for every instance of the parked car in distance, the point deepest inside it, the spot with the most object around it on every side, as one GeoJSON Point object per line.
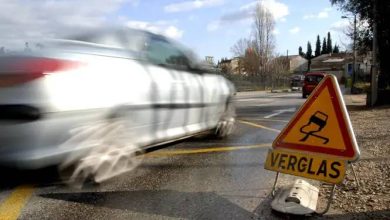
{"type": "Point", "coordinates": [69, 96]}
{"type": "Point", "coordinates": [312, 79]}
{"type": "Point", "coordinates": [297, 82]}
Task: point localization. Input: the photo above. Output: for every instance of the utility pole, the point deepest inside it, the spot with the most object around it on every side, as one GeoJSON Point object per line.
{"type": "Point", "coordinates": [354, 55]}
{"type": "Point", "coordinates": [353, 52]}
{"type": "Point", "coordinates": [374, 70]}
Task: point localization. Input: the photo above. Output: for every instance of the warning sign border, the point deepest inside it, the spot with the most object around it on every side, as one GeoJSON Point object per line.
{"type": "Point", "coordinates": [351, 152]}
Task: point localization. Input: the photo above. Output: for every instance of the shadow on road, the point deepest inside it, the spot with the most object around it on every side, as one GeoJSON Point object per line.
{"type": "Point", "coordinates": [13, 177]}
{"type": "Point", "coordinates": [194, 205]}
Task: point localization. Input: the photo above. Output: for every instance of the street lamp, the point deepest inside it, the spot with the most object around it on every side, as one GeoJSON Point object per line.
{"type": "Point", "coordinates": [354, 51]}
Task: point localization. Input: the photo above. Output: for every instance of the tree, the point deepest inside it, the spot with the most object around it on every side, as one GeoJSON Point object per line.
{"type": "Point", "coordinates": [324, 49]}
{"type": "Point", "coordinates": [374, 13]}
{"type": "Point", "coordinates": [329, 44]}
{"type": "Point", "coordinates": [363, 9]}
{"type": "Point", "coordinates": [263, 27]}
{"type": "Point", "coordinates": [259, 61]}
{"type": "Point", "coordinates": [263, 44]}
{"type": "Point", "coordinates": [363, 36]}
{"type": "Point", "coordinates": [308, 55]}
{"type": "Point", "coordinates": [309, 52]}
{"type": "Point", "coordinates": [300, 52]}
{"type": "Point", "coordinates": [335, 49]}
{"type": "Point", "coordinates": [240, 47]}
{"type": "Point", "coordinates": [317, 52]}
{"type": "Point", "coordinates": [280, 70]}
{"type": "Point", "coordinates": [251, 62]}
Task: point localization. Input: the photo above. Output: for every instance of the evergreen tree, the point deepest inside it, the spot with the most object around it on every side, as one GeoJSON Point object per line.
{"type": "Point", "coordinates": [317, 52]}
{"type": "Point", "coordinates": [324, 48]}
{"type": "Point", "coordinates": [329, 44]}
{"type": "Point", "coordinates": [300, 52]}
{"type": "Point", "coordinates": [336, 49]}
{"type": "Point", "coordinates": [308, 55]}
{"type": "Point", "coordinates": [309, 52]}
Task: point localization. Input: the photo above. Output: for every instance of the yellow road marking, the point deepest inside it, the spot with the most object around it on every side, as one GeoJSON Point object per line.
{"type": "Point", "coordinates": [258, 126]}
{"type": "Point", "coordinates": [11, 207]}
{"type": "Point", "coordinates": [204, 150]}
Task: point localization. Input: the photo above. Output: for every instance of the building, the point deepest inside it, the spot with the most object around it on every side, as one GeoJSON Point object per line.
{"type": "Point", "coordinates": [296, 64]}
{"type": "Point", "coordinates": [232, 66]}
{"type": "Point", "coordinates": [224, 65]}
{"type": "Point", "coordinates": [237, 65]}
{"type": "Point", "coordinates": [341, 65]}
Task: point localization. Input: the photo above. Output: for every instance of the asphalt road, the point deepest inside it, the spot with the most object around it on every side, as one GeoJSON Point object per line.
{"type": "Point", "coordinates": [199, 178]}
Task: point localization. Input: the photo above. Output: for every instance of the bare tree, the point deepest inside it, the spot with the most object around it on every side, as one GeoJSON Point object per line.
{"type": "Point", "coordinates": [251, 61]}
{"type": "Point", "coordinates": [264, 41]}
{"type": "Point", "coordinates": [263, 27]}
{"type": "Point", "coordinates": [240, 47]}
{"type": "Point", "coordinates": [257, 52]}
{"type": "Point", "coordinates": [280, 70]}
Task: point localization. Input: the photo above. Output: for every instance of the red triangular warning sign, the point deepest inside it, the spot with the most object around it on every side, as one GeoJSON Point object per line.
{"type": "Point", "coordinates": [321, 125]}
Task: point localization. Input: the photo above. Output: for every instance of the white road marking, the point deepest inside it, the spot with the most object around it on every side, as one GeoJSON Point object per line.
{"type": "Point", "coordinates": [281, 111]}
{"type": "Point", "coordinates": [253, 99]}
{"type": "Point", "coordinates": [284, 95]}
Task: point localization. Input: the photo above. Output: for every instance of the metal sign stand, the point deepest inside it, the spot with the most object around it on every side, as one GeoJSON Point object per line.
{"type": "Point", "coordinates": [355, 176]}
{"type": "Point", "coordinates": [274, 186]}
{"type": "Point", "coordinates": [330, 198]}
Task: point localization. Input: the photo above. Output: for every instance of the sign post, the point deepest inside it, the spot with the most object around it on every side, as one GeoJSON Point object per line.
{"type": "Point", "coordinates": [319, 141]}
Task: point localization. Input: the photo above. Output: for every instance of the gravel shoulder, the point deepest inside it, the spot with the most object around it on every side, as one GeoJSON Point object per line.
{"type": "Point", "coordinates": [372, 199]}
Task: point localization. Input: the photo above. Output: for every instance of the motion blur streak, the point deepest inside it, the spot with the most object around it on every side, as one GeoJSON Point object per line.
{"type": "Point", "coordinates": [11, 207]}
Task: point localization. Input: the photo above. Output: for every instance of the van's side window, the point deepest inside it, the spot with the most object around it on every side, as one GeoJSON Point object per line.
{"type": "Point", "coordinates": [161, 52]}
